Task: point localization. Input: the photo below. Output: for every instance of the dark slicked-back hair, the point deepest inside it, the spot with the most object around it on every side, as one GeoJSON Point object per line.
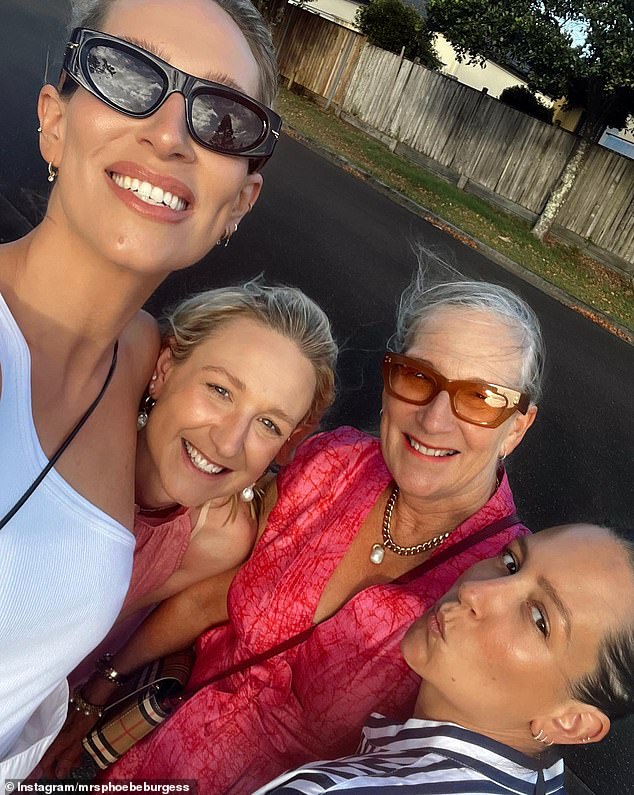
{"type": "Point", "coordinates": [610, 687]}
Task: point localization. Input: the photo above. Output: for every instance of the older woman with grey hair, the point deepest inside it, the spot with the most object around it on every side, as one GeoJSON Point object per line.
{"type": "Point", "coordinates": [153, 138]}
{"type": "Point", "coordinates": [363, 534]}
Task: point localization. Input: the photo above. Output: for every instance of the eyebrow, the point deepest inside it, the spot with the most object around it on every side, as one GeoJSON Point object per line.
{"type": "Point", "coordinates": [239, 385]}
{"type": "Point", "coordinates": [212, 77]}
{"type": "Point", "coordinates": [550, 590]}
{"type": "Point", "coordinates": [473, 379]}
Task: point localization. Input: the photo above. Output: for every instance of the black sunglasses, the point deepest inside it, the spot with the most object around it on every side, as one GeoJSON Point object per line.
{"type": "Point", "coordinates": [136, 82]}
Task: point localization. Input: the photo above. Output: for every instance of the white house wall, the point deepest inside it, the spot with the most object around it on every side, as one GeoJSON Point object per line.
{"type": "Point", "coordinates": [495, 78]}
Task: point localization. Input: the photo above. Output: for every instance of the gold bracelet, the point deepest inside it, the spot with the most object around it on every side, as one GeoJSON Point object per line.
{"type": "Point", "coordinates": [81, 705]}
{"type": "Point", "coordinates": [107, 672]}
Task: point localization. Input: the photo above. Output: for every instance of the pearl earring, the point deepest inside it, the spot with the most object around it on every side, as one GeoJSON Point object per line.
{"type": "Point", "coordinates": [247, 494]}
{"type": "Point", "coordinates": [146, 407]}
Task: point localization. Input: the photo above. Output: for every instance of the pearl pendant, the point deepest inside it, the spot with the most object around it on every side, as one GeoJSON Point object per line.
{"type": "Point", "coordinates": [377, 553]}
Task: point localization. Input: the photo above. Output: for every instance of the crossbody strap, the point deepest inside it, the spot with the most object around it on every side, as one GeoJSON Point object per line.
{"type": "Point", "coordinates": [56, 455]}
{"type": "Point", "coordinates": [440, 557]}
{"type": "Point", "coordinates": [460, 546]}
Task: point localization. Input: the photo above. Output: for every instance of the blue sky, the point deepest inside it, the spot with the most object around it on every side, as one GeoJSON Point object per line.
{"type": "Point", "coordinates": [577, 30]}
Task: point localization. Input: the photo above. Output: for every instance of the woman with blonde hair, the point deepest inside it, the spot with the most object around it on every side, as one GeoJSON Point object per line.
{"type": "Point", "coordinates": [244, 374]}
{"type": "Point", "coordinates": [144, 182]}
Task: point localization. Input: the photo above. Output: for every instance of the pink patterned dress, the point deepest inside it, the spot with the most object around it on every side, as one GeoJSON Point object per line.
{"type": "Point", "coordinates": [311, 701]}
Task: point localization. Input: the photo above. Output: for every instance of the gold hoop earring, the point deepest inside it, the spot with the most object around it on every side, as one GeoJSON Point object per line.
{"type": "Point", "coordinates": [540, 737]}
{"type": "Point", "coordinates": [52, 172]}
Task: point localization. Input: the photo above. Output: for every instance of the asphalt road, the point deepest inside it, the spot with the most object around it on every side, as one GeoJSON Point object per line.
{"type": "Point", "coordinates": [353, 250]}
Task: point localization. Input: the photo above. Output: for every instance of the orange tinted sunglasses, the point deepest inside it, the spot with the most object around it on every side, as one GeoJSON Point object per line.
{"type": "Point", "coordinates": [476, 402]}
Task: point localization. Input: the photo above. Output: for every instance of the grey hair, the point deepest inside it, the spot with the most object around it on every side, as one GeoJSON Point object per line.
{"type": "Point", "coordinates": [92, 14]}
{"type": "Point", "coordinates": [286, 310]}
{"type": "Point", "coordinates": [425, 296]}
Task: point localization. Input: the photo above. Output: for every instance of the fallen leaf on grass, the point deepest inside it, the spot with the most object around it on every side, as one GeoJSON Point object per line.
{"type": "Point", "coordinates": [505, 239]}
{"type": "Point", "coordinates": [449, 231]}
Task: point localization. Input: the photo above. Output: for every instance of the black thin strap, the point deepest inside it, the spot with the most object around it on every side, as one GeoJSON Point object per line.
{"type": "Point", "coordinates": [55, 457]}
{"type": "Point", "coordinates": [446, 553]}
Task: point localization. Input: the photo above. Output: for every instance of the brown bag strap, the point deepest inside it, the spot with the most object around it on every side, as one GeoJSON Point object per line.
{"type": "Point", "coordinates": [443, 555]}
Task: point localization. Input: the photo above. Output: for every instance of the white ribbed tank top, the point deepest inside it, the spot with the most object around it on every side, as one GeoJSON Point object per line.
{"type": "Point", "coordinates": [64, 564]}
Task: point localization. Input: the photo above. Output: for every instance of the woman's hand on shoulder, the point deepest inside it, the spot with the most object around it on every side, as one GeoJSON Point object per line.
{"type": "Point", "coordinates": [218, 546]}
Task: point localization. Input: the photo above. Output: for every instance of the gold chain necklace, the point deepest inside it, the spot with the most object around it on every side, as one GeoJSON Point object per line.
{"type": "Point", "coordinates": [377, 553]}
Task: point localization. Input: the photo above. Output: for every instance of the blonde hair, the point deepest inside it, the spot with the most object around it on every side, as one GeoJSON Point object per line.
{"type": "Point", "coordinates": [286, 310]}
{"type": "Point", "coordinates": [92, 14]}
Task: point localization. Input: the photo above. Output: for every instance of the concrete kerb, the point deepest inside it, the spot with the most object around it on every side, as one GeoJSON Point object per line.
{"type": "Point", "coordinates": [544, 285]}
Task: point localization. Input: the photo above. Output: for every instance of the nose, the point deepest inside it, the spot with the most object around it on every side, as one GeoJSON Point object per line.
{"type": "Point", "coordinates": [229, 437]}
{"type": "Point", "coordinates": [484, 597]}
{"type": "Point", "coordinates": [166, 130]}
{"type": "Point", "coordinates": [437, 416]}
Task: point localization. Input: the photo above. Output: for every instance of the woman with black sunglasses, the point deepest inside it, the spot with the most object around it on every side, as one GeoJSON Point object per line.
{"type": "Point", "coordinates": [352, 520]}
{"type": "Point", "coordinates": [153, 141]}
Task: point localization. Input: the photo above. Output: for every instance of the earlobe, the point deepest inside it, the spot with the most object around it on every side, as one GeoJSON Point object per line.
{"type": "Point", "coordinates": [51, 111]}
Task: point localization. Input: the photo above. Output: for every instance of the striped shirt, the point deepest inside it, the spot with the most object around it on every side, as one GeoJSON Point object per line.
{"type": "Point", "coordinates": [430, 757]}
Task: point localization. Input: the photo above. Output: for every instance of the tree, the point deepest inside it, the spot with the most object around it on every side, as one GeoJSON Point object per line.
{"type": "Point", "coordinates": [392, 25]}
{"type": "Point", "coordinates": [522, 98]}
{"type": "Point", "coordinates": [596, 74]}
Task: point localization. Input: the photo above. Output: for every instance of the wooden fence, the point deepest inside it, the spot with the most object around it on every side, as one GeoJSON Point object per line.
{"type": "Point", "coordinates": [471, 134]}
{"type": "Point", "coordinates": [315, 53]}
{"type": "Point", "coordinates": [600, 206]}
{"type": "Point", "coordinates": [472, 138]}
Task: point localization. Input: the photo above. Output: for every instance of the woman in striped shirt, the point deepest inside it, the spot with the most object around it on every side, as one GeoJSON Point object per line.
{"type": "Point", "coordinates": [529, 649]}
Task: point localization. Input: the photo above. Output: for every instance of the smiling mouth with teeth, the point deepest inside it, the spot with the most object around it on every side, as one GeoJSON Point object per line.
{"type": "Point", "coordinates": [433, 451]}
{"type": "Point", "coordinates": [200, 462]}
{"type": "Point", "coordinates": [148, 193]}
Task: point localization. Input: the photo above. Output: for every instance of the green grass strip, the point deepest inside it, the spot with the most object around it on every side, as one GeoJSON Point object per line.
{"type": "Point", "coordinates": [564, 266]}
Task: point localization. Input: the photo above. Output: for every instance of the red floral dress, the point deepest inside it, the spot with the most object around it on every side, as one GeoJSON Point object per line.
{"type": "Point", "coordinates": [311, 701]}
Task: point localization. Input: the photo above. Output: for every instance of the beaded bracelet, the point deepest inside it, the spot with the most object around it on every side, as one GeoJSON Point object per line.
{"type": "Point", "coordinates": [107, 672]}
{"type": "Point", "coordinates": [81, 705]}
